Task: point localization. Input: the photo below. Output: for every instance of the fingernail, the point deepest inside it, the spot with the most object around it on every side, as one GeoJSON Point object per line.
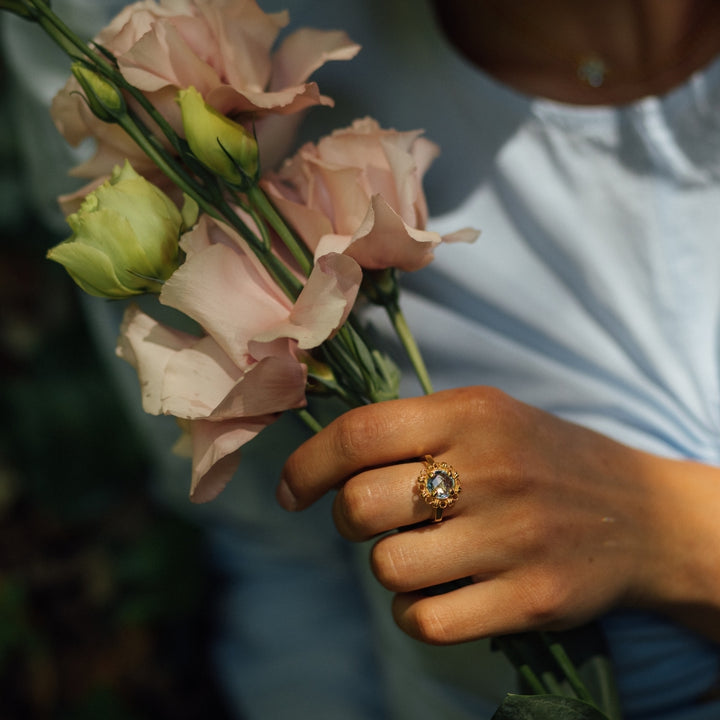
{"type": "Point", "coordinates": [285, 497]}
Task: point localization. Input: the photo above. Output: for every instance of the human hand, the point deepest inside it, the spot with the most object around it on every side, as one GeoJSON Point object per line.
{"type": "Point", "coordinates": [555, 523]}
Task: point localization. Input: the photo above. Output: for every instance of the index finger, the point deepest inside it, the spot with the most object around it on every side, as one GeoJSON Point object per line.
{"type": "Point", "coordinates": [380, 434]}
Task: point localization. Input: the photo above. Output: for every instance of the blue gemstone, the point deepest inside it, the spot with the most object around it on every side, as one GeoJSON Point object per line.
{"type": "Point", "coordinates": [440, 485]}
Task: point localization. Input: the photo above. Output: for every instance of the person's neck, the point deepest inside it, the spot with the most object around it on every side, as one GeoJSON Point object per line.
{"type": "Point", "coordinates": [608, 52]}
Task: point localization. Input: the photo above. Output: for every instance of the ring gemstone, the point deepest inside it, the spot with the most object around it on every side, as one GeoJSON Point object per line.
{"type": "Point", "coordinates": [440, 485]}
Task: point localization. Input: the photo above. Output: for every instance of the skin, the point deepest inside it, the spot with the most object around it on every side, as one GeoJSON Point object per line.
{"type": "Point", "coordinates": [555, 524]}
{"type": "Point", "coordinates": [534, 45]}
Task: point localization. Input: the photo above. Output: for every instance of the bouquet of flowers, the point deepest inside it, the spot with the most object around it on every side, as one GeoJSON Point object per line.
{"type": "Point", "coordinates": [192, 107]}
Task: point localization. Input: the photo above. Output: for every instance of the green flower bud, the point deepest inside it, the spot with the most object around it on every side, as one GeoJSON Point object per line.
{"type": "Point", "coordinates": [125, 237]}
{"type": "Point", "coordinates": [223, 146]}
{"type": "Point", "coordinates": [104, 99]}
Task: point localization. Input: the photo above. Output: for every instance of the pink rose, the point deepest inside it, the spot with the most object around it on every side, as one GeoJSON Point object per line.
{"type": "Point", "coordinates": [191, 378]}
{"type": "Point", "coordinates": [232, 381]}
{"type": "Point", "coordinates": [359, 191]}
{"type": "Point", "coordinates": [224, 48]}
{"type": "Point", "coordinates": [225, 288]}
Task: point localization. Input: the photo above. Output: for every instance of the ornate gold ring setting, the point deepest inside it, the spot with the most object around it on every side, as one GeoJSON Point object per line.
{"type": "Point", "coordinates": [439, 485]}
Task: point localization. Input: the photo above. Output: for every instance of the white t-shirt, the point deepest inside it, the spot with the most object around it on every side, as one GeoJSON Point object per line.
{"type": "Point", "coordinates": [593, 291]}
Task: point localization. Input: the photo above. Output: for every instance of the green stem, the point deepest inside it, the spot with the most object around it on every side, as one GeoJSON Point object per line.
{"type": "Point", "coordinates": [280, 273]}
{"type": "Point", "coordinates": [309, 419]}
{"type": "Point", "coordinates": [361, 363]}
{"type": "Point", "coordinates": [397, 318]}
{"type": "Point", "coordinates": [508, 647]}
{"type": "Point", "coordinates": [75, 47]}
{"type": "Point", "coordinates": [552, 686]}
{"type": "Point", "coordinates": [61, 34]}
{"type": "Point", "coordinates": [351, 385]}
{"type": "Point", "coordinates": [568, 668]}
{"type": "Point", "coordinates": [17, 7]}
{"type": "Point", "coordinates": [297, 249]}
{"type": "Point", "coordinates": [167, 164]}
{"type": "Point", "coordinates": [351, 400]}
{"type": "Point", "coordinates": [150, 109]}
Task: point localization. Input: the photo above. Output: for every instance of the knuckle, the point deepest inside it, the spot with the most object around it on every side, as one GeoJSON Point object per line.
{"type": "Point", "coordinates": [544, 599]}
{"type": "Point", "coordinates": [355, 508]}
{"type": "Point", "coordinates": [430, 625]}
{"type": "Point", "coordinates": [483, 400]}
{"type": "Point", "coordinates": [357, 433]}
{"type": "Point", "coordinates": [511, 476]}
{"type": "Point", "coordinates": [391, 566]}
{"type": "Point", "coordinates": [508, 430]}
{"type": "Point", "coordinates": [295, 474]}
{"type": "Point", "coordinates": [530, 537]}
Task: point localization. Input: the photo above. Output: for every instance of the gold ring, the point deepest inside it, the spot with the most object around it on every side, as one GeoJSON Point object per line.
{"type": "Point", "coordinates": [439, 485]}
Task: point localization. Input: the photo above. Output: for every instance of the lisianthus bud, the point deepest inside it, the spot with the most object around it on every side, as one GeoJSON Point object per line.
{"type": "Point", "coordinates": [104, 99]}
{"type": "Point", "coordinates": [125, 237]}
{"type": "Point", "coordinates": [223, 146]}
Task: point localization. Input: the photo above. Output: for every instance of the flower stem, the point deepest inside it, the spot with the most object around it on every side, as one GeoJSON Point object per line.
{"type": "Point", "coordinates": [60, 33]}
{"type": "Point", "coordinates": [166, 164]}
{"type": "Point", "coordinates": [307, 417]}
{"type": "Point", "coordinates": [352, 386]}
{"type": "Point", "coordinates": [509, 648]}
{"type": "Point", "coordinates": [297, 249]}
{"type": "Point", "coordinates": [397, 318]}
{"type": "Point", "coordinates": [566, 665]}
{"type": "Point", "coordinates": [102, 62]}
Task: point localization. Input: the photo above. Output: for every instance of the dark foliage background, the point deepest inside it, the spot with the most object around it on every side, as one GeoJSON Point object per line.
{"type": "Point", "coordinates": [104, 596]}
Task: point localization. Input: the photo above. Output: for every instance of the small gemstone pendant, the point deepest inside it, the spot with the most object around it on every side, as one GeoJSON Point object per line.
{"type": "Point", "coordinates": [592, 70]}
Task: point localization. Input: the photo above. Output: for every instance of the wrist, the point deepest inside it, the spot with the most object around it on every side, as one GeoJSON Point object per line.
{"type": "Point", "coordinates": [680, 573]}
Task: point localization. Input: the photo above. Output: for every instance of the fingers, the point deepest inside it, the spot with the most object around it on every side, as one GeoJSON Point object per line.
{"type": "Point", "coordinates": [371, 436]}
{"type": "Point", "coordinates": [389, 433]}
{"type": "Point", "coordinates": [541, 512]}
{"type": "Point", "coordinates": [490, 608]}
{"type": "Point", "coordinates": [436, 553]}
{"type": "Point", "coordinates": [376, 501]}
{"type": "Point", "coordinates": [383, 499]}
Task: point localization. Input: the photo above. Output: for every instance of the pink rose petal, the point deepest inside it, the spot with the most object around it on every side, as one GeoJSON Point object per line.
{"type": "Point", "coordinates": [464, 235]}
{"type": "Point", "coordinates": [222, 288]}
{"type": "Point", "coordinates": [272, 385]}
{"type": "Point", "coordinates": [197, 379]}
{"type": "Point", "coordinates": [358, 191]}
{"type": "Point", "coordinates": [305, 51]}
{"type": "Point", "coordinates": [216, 452]}
{"type": "Point", "coordinates": [225, 49]}
{"type": "Point", "coordinates": [384, 240]}
{"type": "Point", "coordinates": [323, 305]}
{"type": "Point", "coordinates": [148, 346]}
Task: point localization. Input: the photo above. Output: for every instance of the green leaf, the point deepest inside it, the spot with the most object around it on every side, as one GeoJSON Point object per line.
{"type": "Point", "coordinates": [546, 707]}
{"type": "Point", "coordinates": [542, 671]}
{"type": "Point", "coordinates": [361, 351]}
{"type": "Point", "coordinates": [387, 385]}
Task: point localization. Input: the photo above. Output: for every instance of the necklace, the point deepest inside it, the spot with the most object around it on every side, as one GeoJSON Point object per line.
{"type": "Point", "coordinates": [591, 69]}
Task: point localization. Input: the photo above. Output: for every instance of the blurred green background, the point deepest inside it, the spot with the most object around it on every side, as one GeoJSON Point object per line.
{"type": "Point", "coordinates": [104, 596]}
